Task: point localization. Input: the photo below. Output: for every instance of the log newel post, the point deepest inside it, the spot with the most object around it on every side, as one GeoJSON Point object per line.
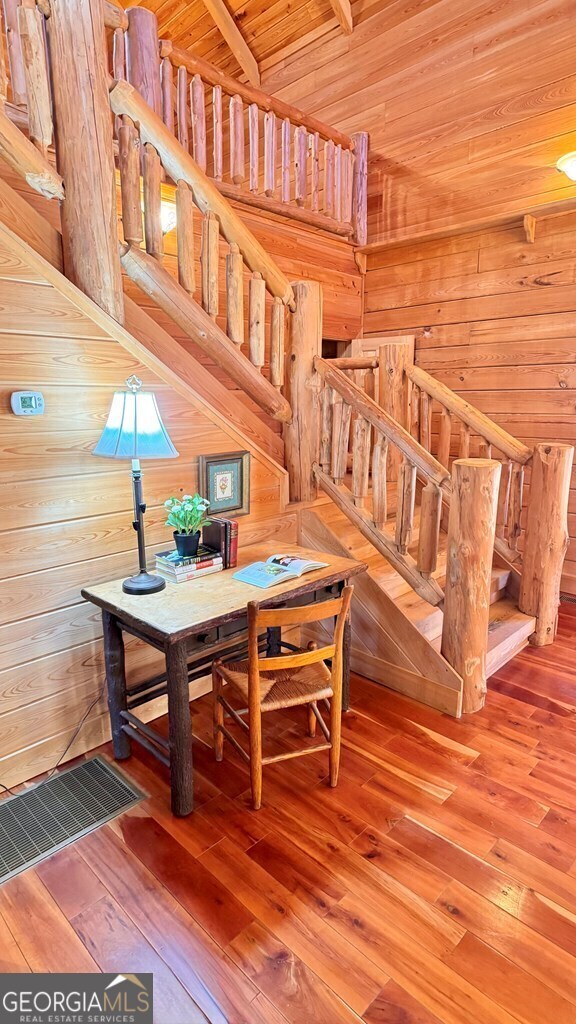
{"type": "Point", "coordinates": [546, 538]}
{"type": "Point", "coordinates": [302, 435]}
{"type": "Point", "coordinates": [360, 188]}
{"type": "Point", "coordinates": [393, 359]}
{"type": "Point", "coordinates": [85, 158]}
{"type": "Point", "coordinates": [143, 56]}
{"type": "Point", "coordinates": [471, 531]}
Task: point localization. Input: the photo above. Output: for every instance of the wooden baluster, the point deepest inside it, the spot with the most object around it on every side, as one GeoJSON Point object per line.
{"type": "Point", "coordinates": [129, 169]}
{"type": "Point", "coordinates": [485, 449]}
{"type": "Point", "coordinates": [360, 188]}
{"type": "Point", "coordinates": [513, 528]}
{"type": "Point", "coordinates": [469, 562]}
{"type": "Point", "coordinates": [380, 481]}
{"type": "Point", "coordinates": [277, 330]}
{"type": "Point", "coordinates": [546, 539]}
{"type": "Point", "coordinates": [425, 420]}
{"type": "Point", "coordinates": [254, 139]}
{"type": "Point", "coordinates": [341, 414]}
{"type": "Point", "coordinates": [464, 441]}
{"type": "Point", "coordinates": [315, 175]}
{"type": "Point", "coordinates": [235, 294]}
{"type": "Point", "coordinates": [503, 498]}
{"type": "Point", "coordinates": [31, 27]}
{"type": "Point", "coordinates": [348, 195]}
{"type": "Point", "coordinates": [185, 236]}
{"type": "Point", "coordinates": [217, 128]}
{"type": "Point", "coordinates": [445, 437]}
{"type": "Point", "coordinates": [405, 497]}
{"type": "Point", "coordinates": [361, 460]}
{"type": "Point", "coordinates": [209, 264]}
{"type": "Point", "coordinates": [286, 160]}
{"type": "Point", "coordinates": [412, 409]}
{"type": "Point", "coordinates": [167, 82]}
{"type": "Point", "coordinates": [118, 66]}
{"type": "Point", "coordinates": [198, 112]}
{"type": "Point", "coordinates": [15, 58]}
{"type": "Point", "coordinates": [430, 515]}
{"type": "Point", "coordinates": [256, 320]}
{"type": "Point", "coordinates": [300, 168]}
{"type": "Point", "coordinates": [269, 153]}
{"type": "Point", "coordinates": [236, 140]}
{"type": "Point", "coordinates": [326, 397]}
{"type": "Point", "coordinates": [182, 108]}
{"type": "Point", "coordinates": [152, 180]}
{"type": "Point", "coordinates": [338, 183]}
{"type": "Point", "coordinates": [329, 157]}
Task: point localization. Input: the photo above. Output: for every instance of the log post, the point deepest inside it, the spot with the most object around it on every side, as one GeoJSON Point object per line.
{"type": "Point", "coordinates": [302, 435]}
{"type": "Point", "coordinates": [393, 358]}
{"type": "Point", "coordinates": [360, 188]}
{"type": "Point", "coordinates": [84, 151]}
{"type": "Point", "coordinates": [546, 539]}
{"type": "Point", "coordinates": [143, 56]}
{"type": "Point", "coordinates": [471, 531]}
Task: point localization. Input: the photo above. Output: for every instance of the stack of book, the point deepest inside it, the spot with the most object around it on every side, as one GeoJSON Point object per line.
{"type": "Point", "coordinates": [173, 567]}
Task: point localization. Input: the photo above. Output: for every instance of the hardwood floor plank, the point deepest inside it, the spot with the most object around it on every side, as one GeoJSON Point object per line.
{"type": "Point", "coordinates": [110, 937]}
{"type": "Point", "coordinates": [70, 882]}
{"type": "Point", "coordinates": [12, 959]}
{"type": "Point", "coordinates": [394, 1005]}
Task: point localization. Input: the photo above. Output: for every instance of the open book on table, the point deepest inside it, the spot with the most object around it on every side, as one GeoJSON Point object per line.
{"type": "Point", "coordinates": [276, 569]}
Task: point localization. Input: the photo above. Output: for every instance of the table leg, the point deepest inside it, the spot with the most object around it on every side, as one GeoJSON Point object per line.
{"type": "Point", "coordinates": [179, 730]}
{"type": "Point", "coordinates": [116, 683]}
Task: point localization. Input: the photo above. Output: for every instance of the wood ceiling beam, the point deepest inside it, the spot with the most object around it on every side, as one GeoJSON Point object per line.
{"type": "Point", "coordinates": [231, 33]}
{"type": "Point", "coordinates": [343, 11]}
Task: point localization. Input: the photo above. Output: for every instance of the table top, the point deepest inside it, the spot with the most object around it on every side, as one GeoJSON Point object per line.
{"type": "Point", "coordinates": [184, 608]}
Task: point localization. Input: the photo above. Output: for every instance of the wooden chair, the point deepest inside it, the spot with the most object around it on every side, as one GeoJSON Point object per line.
{"type": "Point", "coordinates": [283, 681]}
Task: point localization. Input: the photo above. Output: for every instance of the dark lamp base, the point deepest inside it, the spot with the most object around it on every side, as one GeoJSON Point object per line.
{"type": "Point", "coordinates": [143, 583]}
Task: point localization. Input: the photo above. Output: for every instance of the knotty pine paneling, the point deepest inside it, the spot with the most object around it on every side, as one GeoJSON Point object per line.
{"type": "Point", "coordinates": [495, 320]}
{"type": "Point", "coordinates": [66, 517]}
{"type": "Point", "coordinates": [469, 104]}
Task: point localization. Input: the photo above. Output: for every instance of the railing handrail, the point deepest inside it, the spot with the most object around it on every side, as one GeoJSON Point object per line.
{"type": "Point", "coordinates": [469, 414]}
{"type": "Point", "coordinates": [126, 100]}
{"type": "Point", "coordinates": [426, 464]}
{"type": "Point", "coordinates": [214, 76]}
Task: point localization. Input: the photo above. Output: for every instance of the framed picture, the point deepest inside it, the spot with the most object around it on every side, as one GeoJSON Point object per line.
{"type": "Point", "coordinates": [225, 481]}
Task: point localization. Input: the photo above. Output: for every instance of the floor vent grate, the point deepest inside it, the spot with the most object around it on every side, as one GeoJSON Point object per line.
{"type": "Point", "coordinates": [52, 814]}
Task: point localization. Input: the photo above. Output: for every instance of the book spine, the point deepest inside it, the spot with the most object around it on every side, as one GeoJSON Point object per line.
{"type": "Point", "coordinates": [233, 548]}
{"type": "Point", "coordinates": [186, 577]}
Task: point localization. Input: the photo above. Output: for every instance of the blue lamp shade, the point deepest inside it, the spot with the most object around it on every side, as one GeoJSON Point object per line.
{"type": "Point", "coordinates": [134, 429]}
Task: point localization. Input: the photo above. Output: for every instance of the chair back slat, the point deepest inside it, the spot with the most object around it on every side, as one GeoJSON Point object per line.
{"type": "Point", "coordinates": [295, 616]}
{"type": "Point", "coordinates": [296, 660]}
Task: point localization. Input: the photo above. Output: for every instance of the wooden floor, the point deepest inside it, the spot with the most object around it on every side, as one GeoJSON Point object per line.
{"type": "Point", "coordinates": [436, 883]}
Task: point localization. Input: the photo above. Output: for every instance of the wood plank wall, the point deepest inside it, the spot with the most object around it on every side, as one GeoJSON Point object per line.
{"type": "Point", "coordinates": [468, 103]}
{"type": "Point", "coordinates": [495, 319]}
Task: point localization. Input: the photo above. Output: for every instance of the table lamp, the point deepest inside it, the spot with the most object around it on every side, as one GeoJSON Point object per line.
{"type": "Point", "coordinates": [134, 430]}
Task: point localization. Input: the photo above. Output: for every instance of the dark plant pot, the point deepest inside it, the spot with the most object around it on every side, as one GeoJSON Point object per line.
{"type": "Point", "coordinates": [187, 544]}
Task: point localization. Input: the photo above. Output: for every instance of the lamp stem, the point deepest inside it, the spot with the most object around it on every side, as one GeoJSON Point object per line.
{"type": "Point", "coordinates": [139, 510]}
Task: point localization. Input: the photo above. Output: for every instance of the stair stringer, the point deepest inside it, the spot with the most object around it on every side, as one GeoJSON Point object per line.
{"type": "Point", "coordinates": [406, 661]}
{"type": "Point", "coordinates": [37, 243]}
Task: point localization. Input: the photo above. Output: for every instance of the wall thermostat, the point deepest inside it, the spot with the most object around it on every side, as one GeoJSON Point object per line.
{"type": "Point", "coordinates": [27, 403]}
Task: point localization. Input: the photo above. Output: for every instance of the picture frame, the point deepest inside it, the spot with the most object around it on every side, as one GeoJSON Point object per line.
{"type": "Point", "coordinates": [224, 480]}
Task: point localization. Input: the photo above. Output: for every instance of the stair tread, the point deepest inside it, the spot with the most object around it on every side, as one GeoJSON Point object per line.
{"type": "Point", "coordinates": [508, 633]}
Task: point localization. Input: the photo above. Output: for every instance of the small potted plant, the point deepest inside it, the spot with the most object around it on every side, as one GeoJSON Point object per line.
{"type": "Point", "coordinates": [187, 515]}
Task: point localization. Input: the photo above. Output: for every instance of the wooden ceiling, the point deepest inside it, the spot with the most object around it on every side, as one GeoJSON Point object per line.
{"type": "Point", "coordinates": [469, 103]}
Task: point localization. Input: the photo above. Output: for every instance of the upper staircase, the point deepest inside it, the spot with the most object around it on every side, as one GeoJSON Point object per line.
{"type": "Point", "coordinates": [463, 562]}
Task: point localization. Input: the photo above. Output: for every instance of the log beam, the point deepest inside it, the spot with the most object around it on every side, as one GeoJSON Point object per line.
{"type": "Point", "coordinates": [471, 530]}
{"type": "Point", "coordinates": [302, 435]}
{"type": "Point", "coordinates": [236, 42]}
{"type": "Point", "coordinates": [27, 161]}
{"type": "Point", "coordinates": [547, 537]}
{"type": "Point", "coordinates": [84, 151]}
{"type": "Point", "coordinates": [343, 11]}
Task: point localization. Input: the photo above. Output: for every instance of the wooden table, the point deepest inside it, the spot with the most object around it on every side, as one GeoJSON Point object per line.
{"type": "Point", "coordinates": [192, 623]}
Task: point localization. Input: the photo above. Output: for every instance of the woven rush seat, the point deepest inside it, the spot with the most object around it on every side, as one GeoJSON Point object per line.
{"type": "Point", "coordinates": [283, 688]}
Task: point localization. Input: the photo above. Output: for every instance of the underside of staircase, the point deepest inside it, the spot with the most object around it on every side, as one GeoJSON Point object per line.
{"type": "Point", "coordinates": [396, 635]}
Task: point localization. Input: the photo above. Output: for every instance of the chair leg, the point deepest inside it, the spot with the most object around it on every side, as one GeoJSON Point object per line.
{"type": "Point", "coordinates": [335, 737]}
{"type": "Point", "coordinates": [218, 712]}
{"type": "Point", "coordinates": [312, 723]}
{"type": "Point", "coordinates": [255, 724]}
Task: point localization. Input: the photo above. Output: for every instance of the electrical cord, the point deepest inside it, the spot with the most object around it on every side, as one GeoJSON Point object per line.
{"type": "Point", "coordinates": [52, 771]}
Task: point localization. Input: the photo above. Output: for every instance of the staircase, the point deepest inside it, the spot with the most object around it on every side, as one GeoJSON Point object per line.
{"type": "Point", "coordinates": [377, 452]}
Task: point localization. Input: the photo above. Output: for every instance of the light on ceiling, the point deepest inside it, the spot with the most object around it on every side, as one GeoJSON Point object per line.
{"type": "Point", "coordinates": [567, 164]}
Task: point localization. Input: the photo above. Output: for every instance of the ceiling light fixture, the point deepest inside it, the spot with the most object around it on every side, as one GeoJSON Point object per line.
{"type": "Point", "coordinates": [567, 165]}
